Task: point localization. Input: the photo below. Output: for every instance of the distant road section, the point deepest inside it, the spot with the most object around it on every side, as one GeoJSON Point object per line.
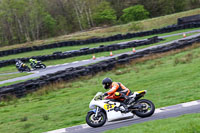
{"type": "Point", "coordinates": [55, 68]}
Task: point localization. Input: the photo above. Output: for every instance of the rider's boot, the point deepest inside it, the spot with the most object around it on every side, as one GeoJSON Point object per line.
{"type": "Point", "coordinates": [128, 100]}
{"type": "Point", "coordinates": [125, 110]}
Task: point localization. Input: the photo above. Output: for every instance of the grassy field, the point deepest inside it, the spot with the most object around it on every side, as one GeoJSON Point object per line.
{"type": "Point", "coordinates": [183, 124]}
{"type": "Point", "coordinates": [10, 76]}
{"type": "Point", "coordinates": [10, 83]}
{"type": "Point", "coordinates": [69, 48]}
{"type": "Point", "coordinates": [78, 58]}
{"type": "Point", "coordinates": [144, 25]}
{"type": "Point", "coordinates": [83, 57]}
{"type": "Point", "coordinates": [169, 80]}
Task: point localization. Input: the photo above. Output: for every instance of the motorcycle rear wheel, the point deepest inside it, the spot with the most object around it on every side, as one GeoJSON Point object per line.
{"type": "Point", "coordinates": [20, 71]}
{"type": "Point", "coordinates": [28, 69]}
{"type": "Point", "coordinates": [146, 111]}
{"type": "Point", "coordinates": [95, 122]}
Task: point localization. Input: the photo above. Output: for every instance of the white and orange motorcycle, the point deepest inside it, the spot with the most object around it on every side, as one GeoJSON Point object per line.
{"type": "Point", "coordinates": [110, 110]}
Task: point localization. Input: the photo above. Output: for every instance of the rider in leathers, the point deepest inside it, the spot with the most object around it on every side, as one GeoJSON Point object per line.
{"type": "Point", "coordinates": [33, 62]}
{"type": "Point", "coordinates": [19, 64]}
{"type": "Point", "coordinates": [118, 92]}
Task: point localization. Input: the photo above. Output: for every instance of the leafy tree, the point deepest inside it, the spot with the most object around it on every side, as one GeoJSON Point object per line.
{"type": "Point", "coordinates": [104, 14]}
{"type": "Point", "coordinates": [164, 7]}
{"type": "Point", "coordinates": [179, 5]}
{"type": "Point", "coordinates": [49, 24]}
{"type": "Point", "coordinates": [193, 4]}
{"type": "Point", "coordinates": [28, 20]}
{"type": "Point", "coordinates": [134, 13]}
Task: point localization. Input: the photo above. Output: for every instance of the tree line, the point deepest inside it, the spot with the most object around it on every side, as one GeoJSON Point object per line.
{"type": "Point", "coordinates": [27, 20]}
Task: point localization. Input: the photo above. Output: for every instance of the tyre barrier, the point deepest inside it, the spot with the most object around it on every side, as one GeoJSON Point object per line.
{"type": "Point", "coordinates": [84, 51]}
{"type": "Point", "coordinates": [189, 19]}
{"type": "Point", "coordinates": [23, 88]}
{"type": "Point", "coordinates": [166, 29]}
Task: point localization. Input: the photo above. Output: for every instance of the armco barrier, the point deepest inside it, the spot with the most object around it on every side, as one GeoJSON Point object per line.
{"type": "Point", "coordinates": [21, 89]}
{"type": "Point", "coordinates": [84, 51]}
{"type": "Point", "coordinates": [166, 29]}
{"type": "Point", "coordinates": [189, 19]}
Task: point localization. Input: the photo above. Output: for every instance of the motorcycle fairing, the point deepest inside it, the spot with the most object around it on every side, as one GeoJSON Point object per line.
{"type": "Point", "coordinates": [108, 107]}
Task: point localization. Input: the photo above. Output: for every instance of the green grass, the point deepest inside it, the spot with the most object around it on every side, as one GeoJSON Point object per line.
{"type": "Point", "coordinates": [147, 24]}
{"type": "Point", "coordinates": [85, 57]}
{"type": "Point", "coordinates": [8, 69]}
{"type": "Point", "coordinates": [11, 83]}
{"type": "Point", "coordinates": [107, 53]}
{"type": "Point", "coordinates": [69, 48]}
{"type": "Point", "coordinates": [10, 76]}
{"type": "Point", "coordinates": [188, 123]}
{"type": "Point", "coordinates": [169, 80]}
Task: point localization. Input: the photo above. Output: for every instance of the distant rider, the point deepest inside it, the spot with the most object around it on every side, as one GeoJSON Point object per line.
{"type": "Point", "coordinates": [118, 92]}
{"type": "Point", "coordinates": [19, 64]}
{"type": "Point", "coordinates": [33, 62]}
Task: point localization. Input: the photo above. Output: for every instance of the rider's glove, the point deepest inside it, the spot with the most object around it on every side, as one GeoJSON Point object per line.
{"type": "Point", "coordinates": [105, 94]}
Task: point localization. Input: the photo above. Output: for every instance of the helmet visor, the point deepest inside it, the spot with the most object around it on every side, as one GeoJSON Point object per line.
{"type": "Point", "coordinates": [106, 86]}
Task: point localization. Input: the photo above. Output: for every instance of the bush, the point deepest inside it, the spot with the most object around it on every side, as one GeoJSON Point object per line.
{"type": "Point", "coordinates": [186, 59]}
{"type": "Point", "coordinates": [134, 13]}
{"type": "Point", "coordinates": [24, 119]}
{"type": "Point", "coordinates": [49, 24]}
{"type": "Point", "coordinates": [104, 14]}
{"type": "Point", "coordinates": [27, 125]}
{"type": "Point", "coordinates": [45, 117]}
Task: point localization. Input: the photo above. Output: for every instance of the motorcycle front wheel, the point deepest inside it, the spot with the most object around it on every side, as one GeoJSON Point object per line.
{"type": "Point", "coordinates": [146, 110]}
{"type": "Point", "coordinates": [93, 121]}
{"type": "Point", "coordinates": [43, 66]}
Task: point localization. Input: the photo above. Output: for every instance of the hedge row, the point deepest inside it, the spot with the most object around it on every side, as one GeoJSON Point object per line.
{"type": "Point", "coordinates": [84, 51]}
{"type": "Point", "coordinates": [189, 19]}
{"type": "Point", "coordinates": [167, 29]}
{"type": "Point", "coordinates": [21, 89]}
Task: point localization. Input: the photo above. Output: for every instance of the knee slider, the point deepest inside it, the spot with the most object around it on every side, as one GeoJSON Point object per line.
{"type": "Point", "coordinates": [117, 94]}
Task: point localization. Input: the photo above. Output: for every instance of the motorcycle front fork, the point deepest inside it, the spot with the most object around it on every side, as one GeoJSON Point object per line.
{"type": "Point", "coordinates": [97, 110]}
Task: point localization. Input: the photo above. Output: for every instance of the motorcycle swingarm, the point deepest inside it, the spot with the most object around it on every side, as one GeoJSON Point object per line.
{"type": "Point", "coordinates": [136, 107]}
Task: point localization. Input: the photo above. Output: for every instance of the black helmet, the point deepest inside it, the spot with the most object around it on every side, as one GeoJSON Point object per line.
{"type": "Point", "coordinates": [107, 82]}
